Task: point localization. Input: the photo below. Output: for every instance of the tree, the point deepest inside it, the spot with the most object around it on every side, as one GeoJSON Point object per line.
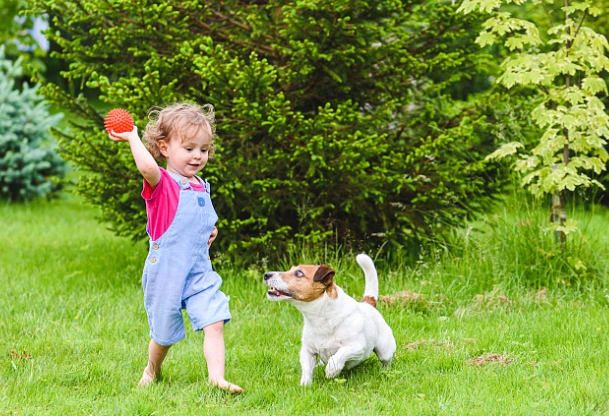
{"type": "Point", "coordinates": [29, 166]}
{"type": "Point", "coordinates": [335, 120]}
{"type": "Point", "coordinates": [564, 68]}
{"type": "Point", "coordinates": [17, 37]}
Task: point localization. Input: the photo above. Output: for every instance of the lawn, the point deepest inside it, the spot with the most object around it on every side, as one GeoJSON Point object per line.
{"type": "Point", "coordinates": [73, 335]}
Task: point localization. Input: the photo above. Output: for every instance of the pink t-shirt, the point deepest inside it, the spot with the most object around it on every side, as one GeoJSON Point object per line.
{"type": "Point", "coordinates": [162, 203]}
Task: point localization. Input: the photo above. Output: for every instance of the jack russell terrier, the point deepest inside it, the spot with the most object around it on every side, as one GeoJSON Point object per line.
{"type": "Point", "coordinates": [338, 330]}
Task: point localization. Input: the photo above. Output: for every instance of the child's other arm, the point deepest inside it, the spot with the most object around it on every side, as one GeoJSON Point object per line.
{"type": "Point", "coordinates": [143, 159]}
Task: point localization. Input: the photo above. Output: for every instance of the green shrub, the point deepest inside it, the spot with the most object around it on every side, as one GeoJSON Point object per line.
{"type": "Point", "coordinates": [335, 123]}
{"type": "Point", "coordinates": [28, 163]}
{"type": "Point", "coordinates": [17, 35]}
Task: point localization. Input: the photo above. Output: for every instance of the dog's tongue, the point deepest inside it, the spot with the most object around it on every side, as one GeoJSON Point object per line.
{"type": "Point", "coordinates": [276, 292]}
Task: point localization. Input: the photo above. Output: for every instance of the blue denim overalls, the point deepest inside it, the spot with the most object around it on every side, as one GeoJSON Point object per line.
{"type": "Point", "coordinates": [178, 273]}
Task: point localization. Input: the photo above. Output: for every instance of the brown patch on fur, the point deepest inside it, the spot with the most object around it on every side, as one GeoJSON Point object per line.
{"type": "Point", "coordinates": [323, 274]}
{"type": "Point", "coordinates": [310, 282]}
{"type": "Point", "coordinates": [369, 300]}
{"type": "Point", "coordinates": [332, 291]}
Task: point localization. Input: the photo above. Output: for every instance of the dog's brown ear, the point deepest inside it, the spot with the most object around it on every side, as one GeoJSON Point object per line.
{"type": "Point", "coordinates": [323, 274]}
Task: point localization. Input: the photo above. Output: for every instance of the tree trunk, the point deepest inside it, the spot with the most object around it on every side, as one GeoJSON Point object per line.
{"type": "Point", "coordinates": [559, 215]}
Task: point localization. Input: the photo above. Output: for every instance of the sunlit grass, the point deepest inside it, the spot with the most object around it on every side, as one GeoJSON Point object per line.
{"type": "Point", "coordinates": [483, 325]}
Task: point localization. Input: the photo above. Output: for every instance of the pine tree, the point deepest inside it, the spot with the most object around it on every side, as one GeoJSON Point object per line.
{"type": "Point", "coordinates": [29, 166]}
{"type": "Point", "coordinates": [336, 120]}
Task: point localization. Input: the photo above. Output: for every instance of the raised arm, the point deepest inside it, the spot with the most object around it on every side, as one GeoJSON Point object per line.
{"type": "Point", "coordinates": [143, 159]}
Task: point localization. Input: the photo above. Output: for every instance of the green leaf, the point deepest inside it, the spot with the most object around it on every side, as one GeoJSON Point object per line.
{"type": "Point", "coordinates": [486, 39]}
{"type": "Point", "coordinates": [505, 150]}
{"type": "Point", "coordinates": [594, 85]}
{"type": "Point", "coordinates": [487, 6]}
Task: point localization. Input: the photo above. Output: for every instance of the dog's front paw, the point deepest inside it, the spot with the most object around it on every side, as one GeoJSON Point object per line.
{"type": "Point", "coordinates": [306, 381]}
{"type": "Point", "coordinates": [333, 369]}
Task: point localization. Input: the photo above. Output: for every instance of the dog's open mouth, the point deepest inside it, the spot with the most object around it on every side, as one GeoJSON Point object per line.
{"type": "Point", "coordinates": [273, 292]}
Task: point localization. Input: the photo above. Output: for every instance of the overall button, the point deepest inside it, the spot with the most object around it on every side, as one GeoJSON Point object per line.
{"type": "Point", "coordinates": [155, 247]}
{"type": "Point", "coordinates": [153, 260]}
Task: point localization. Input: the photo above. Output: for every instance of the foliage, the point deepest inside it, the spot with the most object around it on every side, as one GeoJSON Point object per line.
{"type": "Point", "coordinates": [28, 164]}
{"type": "Point", "coordinates": [335, 122]}
{"type": "Point", "coordinates": [565, 68]}
{"type": "Point", "coordinates": [16, 36]}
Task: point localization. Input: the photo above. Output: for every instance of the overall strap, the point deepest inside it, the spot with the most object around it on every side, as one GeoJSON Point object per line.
{"type": "Point", "coordinates": [182, 181]}
{"type": "Point", "coordinates": [185, 183]}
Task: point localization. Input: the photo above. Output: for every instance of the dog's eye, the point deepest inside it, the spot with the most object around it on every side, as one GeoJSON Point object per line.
{"type": "Point", "coordinates": [299, 273]}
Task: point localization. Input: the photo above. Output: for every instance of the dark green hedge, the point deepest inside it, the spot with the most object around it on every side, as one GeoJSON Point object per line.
{"type": "Point", "coordinates": [336, 119]}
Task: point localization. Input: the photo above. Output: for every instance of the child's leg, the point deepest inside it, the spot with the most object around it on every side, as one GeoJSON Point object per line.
{"type": "Point", "coordinates": [156, 355]}
{"type": "Point", "coordinates": [213, 349]}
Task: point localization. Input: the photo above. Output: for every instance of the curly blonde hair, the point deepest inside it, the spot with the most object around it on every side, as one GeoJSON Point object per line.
{"type": "Point", "coordinates": [178, 121]}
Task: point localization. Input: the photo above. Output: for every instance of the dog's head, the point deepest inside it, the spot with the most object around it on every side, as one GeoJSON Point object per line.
{"type": "Point", "coordinates": [304, 283]}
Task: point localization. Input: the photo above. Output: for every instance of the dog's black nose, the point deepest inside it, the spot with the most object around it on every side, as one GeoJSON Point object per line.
{"type": "Point", "coordinates": [268, 275]}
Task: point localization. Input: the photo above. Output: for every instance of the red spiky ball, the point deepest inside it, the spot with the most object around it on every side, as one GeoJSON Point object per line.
{"type": "Point", "coordinates": [118, 120]}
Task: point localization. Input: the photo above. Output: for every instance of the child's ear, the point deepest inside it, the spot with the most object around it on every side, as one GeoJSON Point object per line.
{"type": "Point", "coordinates": [162, 147]}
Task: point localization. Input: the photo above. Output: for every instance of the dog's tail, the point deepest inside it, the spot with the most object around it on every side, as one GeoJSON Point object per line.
{"type": "Point", "coordinates": [371, 292]}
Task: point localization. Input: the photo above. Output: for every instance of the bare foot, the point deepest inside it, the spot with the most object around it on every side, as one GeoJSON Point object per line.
{"type": "Point", "coordinates": [225, 385]}
{"type": "Point", "coordinates": [147, 378]}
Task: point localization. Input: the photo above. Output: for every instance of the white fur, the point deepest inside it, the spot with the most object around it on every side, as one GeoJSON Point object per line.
{"type": "Point", "coordinates": [372, 281]}
{"type": "Point", "coordinates": [341, 332]}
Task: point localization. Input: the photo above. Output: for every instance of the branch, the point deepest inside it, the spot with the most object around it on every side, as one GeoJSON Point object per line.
{"type": "Point", "coordinates": [580, 23]}
{"type": "Point", "coordinates": [258, 47]}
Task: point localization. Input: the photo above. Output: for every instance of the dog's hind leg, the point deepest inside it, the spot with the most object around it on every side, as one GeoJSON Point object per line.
{"type": "Point", "coordinates": [385, 349]}
{"type": "Point", "coordinates": [385, 362]}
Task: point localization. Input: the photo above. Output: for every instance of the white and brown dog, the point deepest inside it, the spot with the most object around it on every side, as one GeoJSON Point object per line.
{"type": "Point", "coordinates": [337, 329]}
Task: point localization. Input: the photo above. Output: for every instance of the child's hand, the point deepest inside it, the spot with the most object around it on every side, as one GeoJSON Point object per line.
{"type": "Point", "coordinates": [124, 137]}
{"type": "Point", "coordinates": [212, 237]}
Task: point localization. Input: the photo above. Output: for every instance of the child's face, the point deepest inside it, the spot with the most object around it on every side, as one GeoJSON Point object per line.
{"type": "Point", "coordinates": [187, 155]}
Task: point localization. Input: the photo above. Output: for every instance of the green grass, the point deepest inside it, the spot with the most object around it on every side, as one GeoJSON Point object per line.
{"type": "Point", "coordinates": [73, 332]}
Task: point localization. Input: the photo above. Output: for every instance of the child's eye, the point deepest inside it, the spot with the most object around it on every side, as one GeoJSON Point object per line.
{"type": "Point", "coordinates": [205, 150]}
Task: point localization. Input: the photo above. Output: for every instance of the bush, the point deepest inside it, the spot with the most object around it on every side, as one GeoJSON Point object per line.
{"type": "Point", "coordinates": [29, 166]}
{"type": "Point", "coordinates": [335, 124]}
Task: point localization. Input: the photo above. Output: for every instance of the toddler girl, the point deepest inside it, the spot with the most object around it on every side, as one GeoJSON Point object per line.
{"type": "Point", "coordinates": [181, 224]}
